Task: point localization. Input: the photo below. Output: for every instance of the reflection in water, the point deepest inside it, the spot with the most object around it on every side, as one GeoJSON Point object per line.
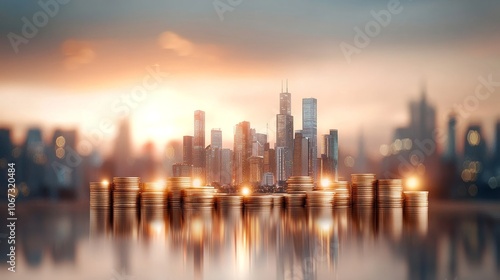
{"type": "Point", "coordinates": [272, 243]}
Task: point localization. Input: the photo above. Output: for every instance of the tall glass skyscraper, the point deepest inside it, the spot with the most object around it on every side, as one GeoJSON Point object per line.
{"type": "Point", "coordinates": [331, 149]}
{"type": "Point", "coordinates": [284, 136]}
{"type": "Point", "coordinates": [242, 153]}
{"type": "Point", "coordinates": [310, 131]}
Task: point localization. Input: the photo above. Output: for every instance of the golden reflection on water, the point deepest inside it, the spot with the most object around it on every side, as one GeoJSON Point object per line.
{"type": "Point", "coordinates": [297, 241]}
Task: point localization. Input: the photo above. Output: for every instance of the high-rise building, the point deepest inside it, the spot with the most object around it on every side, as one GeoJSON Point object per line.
{"type": "Point", "coordinates": [6, 157]}
{"type": "Point", "coordinates": [256, 163]}
{"type": "Point", "coordinates": [310, 131]}
{"type": "Point", "coordinates": [123, 156]}
{"type": "Point", "coordinates": [267, 179]}
{"type": "Point", "coordinates": [284, 135]}
{"type": "Point", "coordinates": [258, 144]}
{"type": "Point", "coordinates": [31, 168]}
{"type": "Point", "coordinates": [216, 138]}
{"type": "Point", "coordinates": [199, 145]}
{"type": "Point", "coordinates": [280, 165]}
{"type": "Point", "coordinates": [63, 174]}
{"type": "Point", "coordinates": [213, 157]}
{"type": "Point", "coordinates": [331, 152]}
{"type": "Point", "coordinates": [269, 159]}
{"type": "Point", "coordinates": [181, 170]}
{"type": "Point", "coordinates": [474, 155]}
{"type": "Point", "coordinates": [300, 155]}
{"type": "Point", "coordinates": [496, 155]}
{"type": "Point", "coordinates": [242, 152]}
{"type": "Point", "coordinates": [226, 173]}
{"type": "Point", "coordinates": [187, 150]}
{"type": "Point", "coordinates": [422, 118]}
{"type": "Point", "coordinates": [451, 147]}
{"type": "Point", "coordinates": [213, 165]}
{"type": "Point", "coordinates": [173, 153]}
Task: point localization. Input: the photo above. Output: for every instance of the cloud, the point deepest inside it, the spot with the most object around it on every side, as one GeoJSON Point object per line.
{"type": "Point", "coordinates": [171, 41]}
{"type": "Point", "coordinates": [77, 53]}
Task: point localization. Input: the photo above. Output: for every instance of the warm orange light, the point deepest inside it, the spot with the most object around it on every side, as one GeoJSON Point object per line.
{"type": "Point", "coordinates": [104, 182]}
{"type": "Point", "coordinates": [325, 182]}
{"type": "Point", "coordinates": [245, 191]}
{"type": "Point", "coordinates": [197, 182]}
{"type": "Point", "coordinates": [412, 183]}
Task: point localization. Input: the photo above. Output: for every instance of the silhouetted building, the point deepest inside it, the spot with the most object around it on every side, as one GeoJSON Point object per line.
{"type": "Point", "coordinates": [242, 152]}
{"type": "Point", "coordinates": [331, 155]}
{"type": "Point", "coordinates": [199, 145]}
{"type": "Point", "coordinates": [474, 159]}
{"type": "Point", "coordinates": [31, 169]}
{"type": "Point", "coordinates": [300, 155]}
{"type": "Point", "coordinates": [451, 146]}
{"type": "Point", "coordinates": [310, 131]}
{"type": "Point", "coordinates": [213, 165]}
{"type": "Point", "coordinates": [122, 154]}
{"type": "Point", "coordinates": [6, 150]}
{"type": "Point", "coordinates": [65, 165]}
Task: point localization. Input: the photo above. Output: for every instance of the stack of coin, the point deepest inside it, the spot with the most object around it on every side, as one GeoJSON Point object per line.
{"type": "Point", "coordinates": [390, 193]}
{"type": "Point", "coordinates": [278, 200]}
{"type": "Point", "coordinates": [154, 195]}
{"type": "Point", "coordinates": [320, 199]}
{"type": "Point", "coordinates": [295, 199]}
{"type": "Point", "coordinates": [126, 191]}
{"type": "Point", "coordinates": [299, 184]}
{"type": "Point", "coordinates": [258, 201]}
{"type": "Point", "coordinates": [125, 222]}
{"type": "Point", "coordinates": [228, 201]}
{"type": "Point", "coordinates": [342, 191]}
{"type": "Point", "coordinates": [363, 189]}
{"type": "Point", "coordinates": [175, 185]}
{"type": "Point", "coordinates": [416, 199]}
{"type": "Point", "coordinates": [198, 198]}
{"type": "Point", "coordinates": [100, 195]}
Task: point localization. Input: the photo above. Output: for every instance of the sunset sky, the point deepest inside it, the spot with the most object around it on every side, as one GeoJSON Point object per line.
{"type": "Point", "coordinates": [91, 53]}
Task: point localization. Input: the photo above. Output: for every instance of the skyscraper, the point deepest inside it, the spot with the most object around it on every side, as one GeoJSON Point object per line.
{"type": "Point", "coordinates": [300, 155]}
{"type": "Point", "coordinates": [242, 153]}
{"type": "Point", "coordinates": [310, 131]}
{"type": "Point", "coordinates": [496, 155]}
{"type": "Point", "coordinates": [331, 159]}
{"type": "Point", "coordinates": [216, 138]}
{"type": "Point", "coordinates": [123, 156]}
{"type": "Point", "coordinates": [213, 157]}
{"type": "Point", "coordinates": [269, 159]}
{"type": "Point", "coordinates": [284, 136]}
{"type": "Point", "coordinates": [226, 173]}
{"type": "Point", "coordinates": [255, 163]}
{"type": "Point", "coordinates": [422, 118]}
{"type": "Point", "coordinates": [33, 159]}
{"type": "Point", "coordinates": [187, 150]}
{"type": "Point", "coordinates": [450, 153]}
{"type": "Point", "coordinates": [258, 144]}
{"type": "Point", "coordinates": [199, 144]}
{"type": "Point", "coordinates": [280, 165]}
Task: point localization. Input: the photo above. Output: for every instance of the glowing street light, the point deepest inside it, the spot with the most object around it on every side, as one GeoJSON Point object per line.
{"type": "Point", "coordinates": [196, 182]}
{"type": "Point", "coordinates": [325, 182]}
